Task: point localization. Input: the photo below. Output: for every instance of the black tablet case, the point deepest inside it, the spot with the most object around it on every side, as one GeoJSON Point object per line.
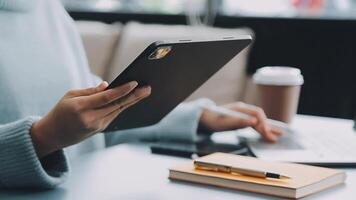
{"type": "Point", "coordinates": [173, 78]}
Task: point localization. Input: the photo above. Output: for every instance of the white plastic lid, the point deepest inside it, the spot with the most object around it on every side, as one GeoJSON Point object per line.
{"type": "Point", "coordinates": [278, 76]}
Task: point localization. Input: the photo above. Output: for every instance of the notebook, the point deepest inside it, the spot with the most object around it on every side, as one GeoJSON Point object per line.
{"type": "Point", "coordinates": [305, 179]}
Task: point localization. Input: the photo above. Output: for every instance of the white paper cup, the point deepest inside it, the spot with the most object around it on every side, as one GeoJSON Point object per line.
{"type": "Point", "coordinates": [279, 90]}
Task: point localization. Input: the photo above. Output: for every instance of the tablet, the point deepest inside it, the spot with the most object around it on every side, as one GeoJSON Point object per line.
{"type": "Point", "coordinates": [174, 69]}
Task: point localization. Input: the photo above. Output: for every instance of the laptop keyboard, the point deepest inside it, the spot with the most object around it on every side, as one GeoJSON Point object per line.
{"type": "Point", "coordinates": [326, 146]}
{"type": "Point", "coordinates": [331, 146]}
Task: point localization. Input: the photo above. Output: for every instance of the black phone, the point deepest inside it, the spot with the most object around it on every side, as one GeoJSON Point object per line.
{"type": "Point", "coordinates": [199, 148]}
{"type": "Point", "coordinates": [174, 69]}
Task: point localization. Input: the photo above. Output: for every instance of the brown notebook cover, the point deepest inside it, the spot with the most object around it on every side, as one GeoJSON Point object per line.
{"type": "Point", "coordinates": [305, 180]}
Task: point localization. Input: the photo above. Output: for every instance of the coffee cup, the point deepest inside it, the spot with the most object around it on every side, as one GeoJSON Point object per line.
{"type": "Point", "coordinates": [279, 90]}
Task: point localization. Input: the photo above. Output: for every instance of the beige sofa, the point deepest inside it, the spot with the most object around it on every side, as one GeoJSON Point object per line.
{"type": "Point", "coordinates": [111, 48]}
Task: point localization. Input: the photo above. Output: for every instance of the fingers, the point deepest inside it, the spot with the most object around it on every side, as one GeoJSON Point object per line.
{"type": "Point", "coordinates": [261, 124]}
{"type": "Point", "coordinates": [232, 123]}
{"type": "Point", "coordinates": [114, 110]}
{"type": "Point", "coordinates": [106, 97]}
{"type": "Point", "coordinates": [125, 102]}
{"type": "Point", "coordinates": [276, 131]}
{"type": "Point", "coordinates": [88, 91]}
{"type": "Point", "coordinates": [254, 111]}
{"type": "Point", "coordinates": [243, 123]}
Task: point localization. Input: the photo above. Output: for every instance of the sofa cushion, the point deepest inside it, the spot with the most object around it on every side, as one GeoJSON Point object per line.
{"type": "Point", "coordinates": [99, 41]}
{"type": "Point", "coordinates": [225, 86]}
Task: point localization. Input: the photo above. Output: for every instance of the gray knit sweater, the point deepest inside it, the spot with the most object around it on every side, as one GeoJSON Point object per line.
{"type": "Point", "coordinates": [41, 57]}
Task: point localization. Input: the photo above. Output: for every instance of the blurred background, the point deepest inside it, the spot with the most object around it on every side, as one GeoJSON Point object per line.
{"type": "Point", "coordinates": [316, 36]}
{"type": "Point", "coordinates": [269, 8]}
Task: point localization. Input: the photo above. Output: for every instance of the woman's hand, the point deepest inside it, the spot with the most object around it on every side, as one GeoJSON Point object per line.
{"type": "Point", "coordinates": [82, 113]}
{"type": "Point", "coordinates": [213, 122]}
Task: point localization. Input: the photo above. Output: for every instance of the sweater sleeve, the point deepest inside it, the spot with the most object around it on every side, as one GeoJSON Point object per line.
{"type": "Point", "coordinates": [181, 124]}
{"type": "Point", "coordinates": [19, 164]}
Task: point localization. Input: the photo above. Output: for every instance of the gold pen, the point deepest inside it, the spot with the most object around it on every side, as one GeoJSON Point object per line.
{"type": "Point", "coordinates": [243, 171]}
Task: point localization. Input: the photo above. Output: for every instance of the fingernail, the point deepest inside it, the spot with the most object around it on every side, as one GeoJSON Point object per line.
{"type": "Point", "coordinates": [104, 84]}
{"type": "Point", "coordinates": [133, 84]}
{"type": "Point", "coordinates": [146, 90]}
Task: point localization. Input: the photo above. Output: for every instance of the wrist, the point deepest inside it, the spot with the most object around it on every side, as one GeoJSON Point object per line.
{"type": "Point", "coordinates": [204, 124]}
{"type": "Point", "coordinates": [41, 144]}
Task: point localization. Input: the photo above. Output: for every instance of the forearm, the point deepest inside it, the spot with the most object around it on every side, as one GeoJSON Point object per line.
{"type": "Point", "coordinates": [20, 166]}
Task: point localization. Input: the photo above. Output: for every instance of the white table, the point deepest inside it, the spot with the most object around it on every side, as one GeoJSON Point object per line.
{"type": "Point", "coordinates": [131, 172]}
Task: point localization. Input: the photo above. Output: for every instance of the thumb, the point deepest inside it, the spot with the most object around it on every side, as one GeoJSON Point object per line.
{"type": "Point", "coordinates": [89, 91]}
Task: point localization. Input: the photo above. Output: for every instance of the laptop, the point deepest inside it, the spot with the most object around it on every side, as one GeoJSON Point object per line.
{"type": "Point", "coordinates": [318, 145]}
